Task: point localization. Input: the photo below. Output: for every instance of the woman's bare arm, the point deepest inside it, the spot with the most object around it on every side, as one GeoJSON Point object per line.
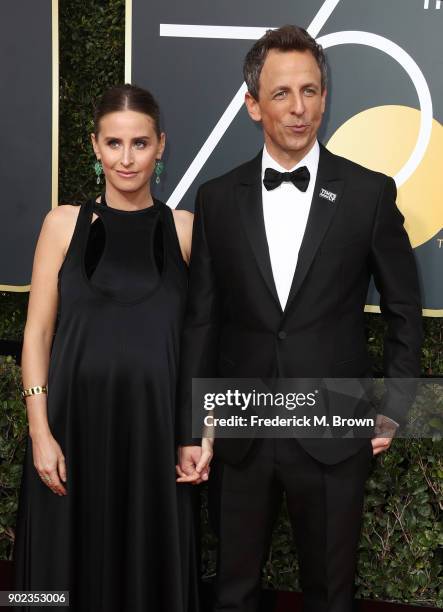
{"type": "Point", "coordinates": [51, 249]}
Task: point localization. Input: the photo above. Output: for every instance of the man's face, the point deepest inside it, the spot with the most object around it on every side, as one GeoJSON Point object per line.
{"type": "Point", "coordinates": [290, 105]}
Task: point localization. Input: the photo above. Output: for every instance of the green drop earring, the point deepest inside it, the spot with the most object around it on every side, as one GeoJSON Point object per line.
{"type": "Point", "coordinates": [98, 168]}
{"type": "Point", "coordinates": [159, 167]}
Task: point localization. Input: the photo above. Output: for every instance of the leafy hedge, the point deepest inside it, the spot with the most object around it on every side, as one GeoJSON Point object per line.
{"type": "Point", "coordinates": [13, 432]}
{"type": "Point", "coordinates": [91, 60]}
{"type": "Point", "coordinates": [401, 549]}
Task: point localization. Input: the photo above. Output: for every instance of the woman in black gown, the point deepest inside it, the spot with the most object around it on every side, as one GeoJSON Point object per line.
{"type": "Point", "coordinates": [100, 513]}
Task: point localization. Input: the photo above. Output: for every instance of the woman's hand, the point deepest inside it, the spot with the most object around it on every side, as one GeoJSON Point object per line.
{"type": "Point", "coordinates": [49, 462]}
{"type": "Point", "coordinates": [194, 467]}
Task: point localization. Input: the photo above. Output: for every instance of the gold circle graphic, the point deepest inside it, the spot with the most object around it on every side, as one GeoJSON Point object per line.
{"type": "Point", "coordinates": [382, 138]}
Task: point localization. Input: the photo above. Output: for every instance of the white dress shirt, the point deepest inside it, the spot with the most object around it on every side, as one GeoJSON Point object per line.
{"type": "Point", "coordinates": [285, 211]}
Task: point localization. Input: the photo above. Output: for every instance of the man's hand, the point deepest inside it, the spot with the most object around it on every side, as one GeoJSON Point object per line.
{"type": "Point", "coordinates": [193, 462]}
{"type": "Point", "coordinates": [385, 429]}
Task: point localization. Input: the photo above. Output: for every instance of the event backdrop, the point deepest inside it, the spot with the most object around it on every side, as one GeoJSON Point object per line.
{"type": "Point", "coordinates": [28, 119]}
{"type": "Point", "coordinates": [385, 98]}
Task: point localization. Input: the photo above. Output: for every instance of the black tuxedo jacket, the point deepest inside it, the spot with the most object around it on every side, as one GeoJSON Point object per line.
{"type": "Point", "coordinates": [234, 324]}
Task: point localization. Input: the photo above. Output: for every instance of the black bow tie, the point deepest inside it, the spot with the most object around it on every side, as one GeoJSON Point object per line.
{"type": "Point", "coordinates": [273, 178]}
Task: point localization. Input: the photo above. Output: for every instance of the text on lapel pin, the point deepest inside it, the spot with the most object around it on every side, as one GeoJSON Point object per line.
{"type": "Point", "coordinates": [327, 195]}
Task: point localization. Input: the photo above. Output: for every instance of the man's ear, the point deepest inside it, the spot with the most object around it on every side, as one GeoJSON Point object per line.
{"type": "Point", "coordinates": [95, 146]}
{"type": "Point", "coordinates": [252, 106]}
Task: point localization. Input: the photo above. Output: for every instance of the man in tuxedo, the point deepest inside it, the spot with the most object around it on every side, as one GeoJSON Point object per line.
{"type": "Point", "coordinates": [283, 250]}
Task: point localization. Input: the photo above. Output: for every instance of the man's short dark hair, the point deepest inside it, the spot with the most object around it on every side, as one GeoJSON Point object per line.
{"type": "Point", "coordinates": [286, 38]}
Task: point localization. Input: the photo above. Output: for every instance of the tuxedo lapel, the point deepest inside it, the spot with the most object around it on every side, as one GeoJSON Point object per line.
{"type": "Point", "coordinates": [249, 196]}
{"type": "Point", "coordinates": [326, 197]}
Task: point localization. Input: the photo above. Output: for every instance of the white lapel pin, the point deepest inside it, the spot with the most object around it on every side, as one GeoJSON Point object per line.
{"type": "Point", "coordinates": [328, 195]}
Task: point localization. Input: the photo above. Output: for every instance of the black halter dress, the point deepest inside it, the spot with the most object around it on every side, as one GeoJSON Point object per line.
{"type": "Point", "coordinates": [122, 540]}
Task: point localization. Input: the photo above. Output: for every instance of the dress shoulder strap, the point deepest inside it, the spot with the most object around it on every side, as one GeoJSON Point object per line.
{"type": "Point", "coordinates": [81, 229]}
{"type": "Point", "coordinates": [170, 228]}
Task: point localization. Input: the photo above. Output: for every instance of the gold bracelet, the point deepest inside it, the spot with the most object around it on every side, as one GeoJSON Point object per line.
{"type": "Point", "coordinates": [34, 391]}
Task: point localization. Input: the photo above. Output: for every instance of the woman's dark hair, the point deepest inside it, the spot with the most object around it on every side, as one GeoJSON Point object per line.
{"type": "Point", "coordinates": [127, 97]}
{"type": "Point", "coordinates": [286, 38]}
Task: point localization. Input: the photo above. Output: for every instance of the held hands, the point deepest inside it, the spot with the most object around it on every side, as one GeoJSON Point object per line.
{"type": "Point", "coordinates": [49, 462]}
{"type": "Point", "coordinates": [193, 462]}
{"type": "Point", "coordinates": [385, 430]}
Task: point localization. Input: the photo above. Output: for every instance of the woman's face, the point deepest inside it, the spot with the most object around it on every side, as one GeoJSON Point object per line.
{"type": "Point", "coordinates": [127, 145]}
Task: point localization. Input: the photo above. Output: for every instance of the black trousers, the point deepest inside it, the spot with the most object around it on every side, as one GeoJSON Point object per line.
{"type": "Point", "coordinates": [325, 507]}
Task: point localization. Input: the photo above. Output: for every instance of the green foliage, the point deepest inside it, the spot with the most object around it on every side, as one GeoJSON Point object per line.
{"type": "Point", "coordinates": [426, 415]}
{"type": "Point", "coordinates": [12, 315]}
{"type": "Point", "coordinates": [92, 37]}
{"type": "Point", "coordinates": [432, 353]}
{"type": "Point", "coordinates": [13, 431]}
{"type": "Point", "coordinates": [401, 548]}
